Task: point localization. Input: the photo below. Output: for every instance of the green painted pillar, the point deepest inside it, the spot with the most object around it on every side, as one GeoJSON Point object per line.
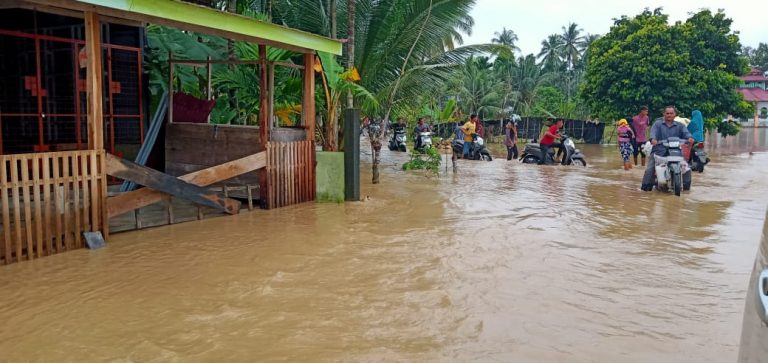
{"type": "Point", "coordinates": [352, 154]}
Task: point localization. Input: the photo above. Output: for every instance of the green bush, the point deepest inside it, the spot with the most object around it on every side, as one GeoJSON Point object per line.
{"type": "Point", "coordinates": [429, 160]}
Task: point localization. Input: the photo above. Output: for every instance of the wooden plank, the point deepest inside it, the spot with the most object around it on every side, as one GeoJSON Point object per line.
{"type": "Point", "coordinates": [16, 205]}
{"type": "Point", "coordinates": [76, 211]}
{"type": "Point", "coordinates": [249, 192]}
{"type": "Point", "coordinates": [139, 198]}
{"type": "Point", "coordinates": [94, 81]}
{"type": "Point", "coordinates": [171, 218]}
{"type": "Point", "coordinates": [27, 198]}
{"type": "Point", "coordinates": [154, 179]}
{"type": "Point", "coordinates": [291, 181]}
{"type": "Point", "coordinates": [102, 205]}
{"type": "Point", "coordinates": [300, 171]}
{"type": "Point", "coordinates": [280, 170]}
{"type": "Point", "coordinates": [49, 225]}
{"type": "Point", "coordinates": [291, 173]}
{"type": "Point", "coordinates": [313, 172]}
{"type": "Point", "coordinates": [97, 178]}
{"type": "Point", "coordinates": [281, 176]}
{"type": "Point", "coordinates": [58, 206]}
{"type": "Point", "coordinates": [4, 184]}
{"type": "Point", "coordinates": [85, 161]}
{"type": "Point", "coordinates": [65, 169]}
{"type": "Point", "coordinates": [39, 237]}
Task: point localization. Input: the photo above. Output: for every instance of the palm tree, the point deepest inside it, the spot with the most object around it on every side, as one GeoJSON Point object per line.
{"type": "Point", "coordinates": [572, 44]}
{"type": "Point", "coordinates": [528, 78]}
{"type": "Point", "coordinates": [506, 37]}
{"type": "Point", "coordinates": [550, 54]}
{"type": "Point", "coordinates": [589, 39]}
{"type": "Point", "coordinates": [478, 89]}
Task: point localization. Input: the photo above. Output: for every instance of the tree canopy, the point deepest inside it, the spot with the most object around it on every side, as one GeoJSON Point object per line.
{"type": "Point", "coordinates": [646, 61]}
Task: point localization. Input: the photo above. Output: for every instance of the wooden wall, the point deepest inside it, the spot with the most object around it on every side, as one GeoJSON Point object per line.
{"type": "Point", "coordinates": [192, 147]}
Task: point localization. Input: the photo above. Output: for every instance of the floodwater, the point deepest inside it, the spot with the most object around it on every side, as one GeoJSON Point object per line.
{"type": "Point", "coordinates": [499, 262]}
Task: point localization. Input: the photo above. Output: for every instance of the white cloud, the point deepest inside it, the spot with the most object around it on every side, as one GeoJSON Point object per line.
{"type": "Point", "coordinates": [532, 21]}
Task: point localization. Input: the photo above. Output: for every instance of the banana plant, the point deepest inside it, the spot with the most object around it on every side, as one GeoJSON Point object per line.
{"type": "Point", "coordinates": [337, 82]}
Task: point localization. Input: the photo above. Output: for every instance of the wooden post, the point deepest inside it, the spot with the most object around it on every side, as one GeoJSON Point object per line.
{"type": "Point", "coordinates": [94, 81]}
{"type": "Point", "coordinates": [308, 104]}
{"type": "Point", "coordinates": [271, 88]}
{"type": "Point", "coordinates": [209, 89]}
{"type": "Point", "coordinates": [263, 95]}
{"type": "Point", "coordinates": [263, 125]}
{"type": "Point", "coordinates": [170, 87]}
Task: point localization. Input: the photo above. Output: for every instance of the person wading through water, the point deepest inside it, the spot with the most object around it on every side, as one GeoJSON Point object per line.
{"type": "Point", "coordinates": [640, 126]}
{"type": "Point", "coordinates": [510, 140]}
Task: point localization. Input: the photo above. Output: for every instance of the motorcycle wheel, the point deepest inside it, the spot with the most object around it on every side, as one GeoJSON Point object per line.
{"type": "Point", "coordinates": [530, 160]}
{"type": "Point", "coordinates": [486, 157]}
{"type": "Point", "coordinates": [579, 162]}
{"type": "Point", "coordinates": [403, 148]}
{"type": "Point", "coordinates": [677, 183]}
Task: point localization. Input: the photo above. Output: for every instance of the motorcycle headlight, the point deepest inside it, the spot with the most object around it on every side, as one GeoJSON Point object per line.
{"type": "Point", "coordinates": [570, 143]}
{"type": "Point", "coordinates": [674, 144]}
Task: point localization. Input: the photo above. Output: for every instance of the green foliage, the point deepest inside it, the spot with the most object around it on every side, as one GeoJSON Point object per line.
{"type": "Point", "coordinates": [728, 128]}
{"type": "Point", "coordinates": [429, 160]}
{"type": "Point", "coordinates": [757, 57]}
{"type": "Point", "coordinates": [645, 61]}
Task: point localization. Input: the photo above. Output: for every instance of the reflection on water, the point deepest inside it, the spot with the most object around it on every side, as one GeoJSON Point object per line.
{"type": "Point", "coordinates": [500, 262]}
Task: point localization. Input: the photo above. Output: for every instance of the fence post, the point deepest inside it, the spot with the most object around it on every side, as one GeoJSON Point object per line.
{"type": "Point", "coordinates": [352, 154]}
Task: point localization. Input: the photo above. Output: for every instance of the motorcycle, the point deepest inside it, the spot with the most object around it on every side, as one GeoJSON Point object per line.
{"type": "Point", "coordinates": [573, 156]}
{"type": "Point", "coordinates": [699, 157]}
{"type": "Point", "coordinates": [397, 141]}
{"type": "Point", "coordinates": [477, 150]}
{"type": "Point", "coordinates": [669, 169]}
{"type": "Point", "coordinates": [425, 139]}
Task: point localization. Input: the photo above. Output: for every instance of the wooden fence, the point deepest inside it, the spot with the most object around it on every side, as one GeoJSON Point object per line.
{"type": "Point", "coordinates": [49, 200]}
{"type": "Point", "coordinates": [290, 173]}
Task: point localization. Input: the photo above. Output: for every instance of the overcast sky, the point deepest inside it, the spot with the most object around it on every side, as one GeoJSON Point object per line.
{"type": "Point", "coordinates": [533, 21]}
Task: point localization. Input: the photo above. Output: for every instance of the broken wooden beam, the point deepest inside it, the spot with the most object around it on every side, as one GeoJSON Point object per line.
{"type": "Point", "coordinates": [169, 184]}
{"type": "Point", "coordinates": [143, 197]}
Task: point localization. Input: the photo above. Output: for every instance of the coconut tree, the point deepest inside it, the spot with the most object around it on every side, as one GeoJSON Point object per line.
{"type": "Point", "coordinates": [572, 44]}
{"type": "Point", "coordinates": [508, 39]}
{"type": "Point", "coordinates": [551, 51]}
{"type": "Point", "coordinates": [528, 78]}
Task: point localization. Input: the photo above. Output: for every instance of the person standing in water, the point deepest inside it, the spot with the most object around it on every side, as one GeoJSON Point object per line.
{"type": "Point", "coordinates": [640, 126]}
{"type": "Point", "coordinates": [625, 142]}
{"type": "Point", "coordinates": [510, 140]}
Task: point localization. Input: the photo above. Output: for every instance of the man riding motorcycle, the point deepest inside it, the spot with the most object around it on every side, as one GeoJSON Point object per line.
{"type": "Point", "coordinates": [663, 129]}
{"type": "Point", "coordinates": [421, 126]}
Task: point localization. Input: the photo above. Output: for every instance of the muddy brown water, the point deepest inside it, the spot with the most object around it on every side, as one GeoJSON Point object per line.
{"type": "Point", "coordinates": [500, 262]}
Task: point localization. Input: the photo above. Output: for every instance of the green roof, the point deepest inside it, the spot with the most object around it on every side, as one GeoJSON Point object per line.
{"type": "Point", "coordinates": [198, 18]}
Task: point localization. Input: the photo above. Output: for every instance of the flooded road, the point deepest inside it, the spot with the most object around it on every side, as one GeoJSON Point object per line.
{"type": "Point", "coordinates": [499, 262]}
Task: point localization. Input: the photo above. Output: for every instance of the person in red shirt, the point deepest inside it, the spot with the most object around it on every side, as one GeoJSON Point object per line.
{"type": "Point", "coordinates": [548, 141]}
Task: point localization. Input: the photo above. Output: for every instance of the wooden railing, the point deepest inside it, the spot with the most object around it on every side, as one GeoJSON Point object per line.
{"type": "Point", "coordinates": [49, 200]}
{"type": "Point", "coordinates": [290, 173]}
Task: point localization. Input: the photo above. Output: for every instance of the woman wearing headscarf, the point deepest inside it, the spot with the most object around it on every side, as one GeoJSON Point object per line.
{"type": "Point", "coordinates": [696, 126]}
{"type": "Point", "coordinates": [625, 142]}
